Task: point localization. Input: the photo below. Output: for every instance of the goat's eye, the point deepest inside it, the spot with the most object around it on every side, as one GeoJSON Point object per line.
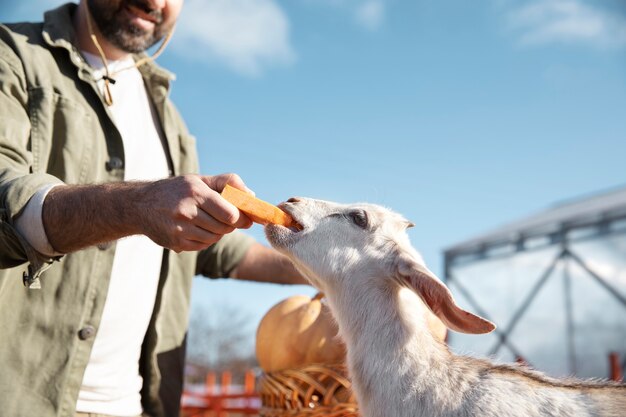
{"type": "Point", "coordinates": [359, 217]}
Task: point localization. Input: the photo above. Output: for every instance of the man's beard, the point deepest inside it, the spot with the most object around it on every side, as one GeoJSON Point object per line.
{"type": "Point", "coordinates": [117, 29]}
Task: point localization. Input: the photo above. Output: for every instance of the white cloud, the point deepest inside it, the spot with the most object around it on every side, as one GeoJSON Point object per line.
{"type": "Point", "coordinates": [245, 35]}
{"type": "Point", "coordinates": [568, 21]}
{"type": "Point", "coordinates": [370, 13]}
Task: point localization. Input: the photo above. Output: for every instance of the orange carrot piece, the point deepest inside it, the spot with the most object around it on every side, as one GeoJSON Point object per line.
{"type": "Point", "coordinates": [258, 210]}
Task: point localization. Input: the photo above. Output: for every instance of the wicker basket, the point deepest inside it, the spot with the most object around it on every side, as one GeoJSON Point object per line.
{"type": "Point", "coordinates": [312, 391]}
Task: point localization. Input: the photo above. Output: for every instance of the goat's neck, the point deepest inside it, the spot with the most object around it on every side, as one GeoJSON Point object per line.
{"type": "Point", "coordinates": [385, 315]}
{"type": "Point", "coordinates": [389, 343]}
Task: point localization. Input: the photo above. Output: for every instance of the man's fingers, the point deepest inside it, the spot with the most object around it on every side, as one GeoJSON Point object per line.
{"type": "Point", "coordinates": [224, 212]}
{"type": "Point", "coordinates": [193, 206]}
{"type": "Point", "coordinates": [218, 182]}
{"type": "Point", "coordinates": [207, 222]}
{"type": "Point", "coordinates": [244, 221]}
{"type": "Point", "coordinates": [202, 236]}
{"type": "Point", "coordinates": [193, 245]}
{"type": "Point", "coordinates": [193, 238]}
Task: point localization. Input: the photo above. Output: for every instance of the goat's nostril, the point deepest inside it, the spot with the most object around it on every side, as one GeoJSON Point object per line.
{"type": "Point", "coordinates": [293, 200]}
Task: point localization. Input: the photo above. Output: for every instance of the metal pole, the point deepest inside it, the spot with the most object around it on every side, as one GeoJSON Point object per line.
{"type": "Point", "coordinates": [531, 296]}
{"type": "Point", "coordinates": [474, 304]}
{"type": "Point", "coordinates": [569, 315]}
{"type": "Point", "coordinates": [598, 278]}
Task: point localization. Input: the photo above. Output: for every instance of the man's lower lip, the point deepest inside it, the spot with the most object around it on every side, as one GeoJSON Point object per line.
{"type": "Point", "coordinates": [140, 21]}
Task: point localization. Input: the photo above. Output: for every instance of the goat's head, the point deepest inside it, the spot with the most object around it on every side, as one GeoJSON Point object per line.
{"type": "Point", "coordinates": [340, 245]}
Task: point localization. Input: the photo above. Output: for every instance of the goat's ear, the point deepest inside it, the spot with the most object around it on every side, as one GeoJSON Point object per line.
{"type": "Point", "coordinates": [439, 299]}
{"type": "Point", "coordinates": [436, 326]}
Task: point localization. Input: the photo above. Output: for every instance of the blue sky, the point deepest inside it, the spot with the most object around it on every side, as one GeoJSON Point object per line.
{"type": "Point", "coordinates": [460, 115]}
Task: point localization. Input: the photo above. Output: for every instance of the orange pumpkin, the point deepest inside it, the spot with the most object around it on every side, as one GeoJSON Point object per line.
{"type": "Point", "coordinates": [296, 332]}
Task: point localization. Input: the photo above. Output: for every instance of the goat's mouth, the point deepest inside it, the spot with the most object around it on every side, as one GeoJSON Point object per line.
{"type": "Point", "coordinates": [282, 236]}
{"type": "Point", "coordinates": [297, 225]}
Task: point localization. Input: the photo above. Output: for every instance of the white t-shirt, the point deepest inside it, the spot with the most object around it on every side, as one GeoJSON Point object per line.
{"type": "Point", "coordinates": [112, 383]}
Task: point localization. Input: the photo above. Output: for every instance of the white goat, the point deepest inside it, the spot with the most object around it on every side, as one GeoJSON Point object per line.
{"type": "Point", "coordinates": [378, 288]}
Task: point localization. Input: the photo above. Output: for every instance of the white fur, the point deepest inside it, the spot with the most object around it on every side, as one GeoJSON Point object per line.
{"type": "Point", "coordinates": [377, 287]}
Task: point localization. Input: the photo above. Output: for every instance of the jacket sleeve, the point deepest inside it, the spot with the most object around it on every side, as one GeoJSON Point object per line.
{"type": "Point", "coordinates": [220, 259]}
{"type": "Point", "coordinates": [18, 182]}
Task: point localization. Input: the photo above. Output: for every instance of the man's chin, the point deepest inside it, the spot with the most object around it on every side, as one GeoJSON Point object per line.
{"type": "Point", "coordinates": [133, 37]}
{"type": "Point", "coordinates": [133, 41]}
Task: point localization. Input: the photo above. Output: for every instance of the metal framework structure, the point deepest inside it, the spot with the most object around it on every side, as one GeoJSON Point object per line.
{"type": "Point", "coordinates": [559, 235]}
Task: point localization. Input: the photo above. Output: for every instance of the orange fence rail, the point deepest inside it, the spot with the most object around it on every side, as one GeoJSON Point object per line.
{"type": "Point", "coordinates": [228, 399]}
{"type": "Point", "coordinates": [213, 400]}
{"type": "Point", "coordinates": [615, 367]}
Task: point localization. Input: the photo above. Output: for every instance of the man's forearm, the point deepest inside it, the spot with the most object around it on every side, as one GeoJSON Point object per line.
{"type": "Point", "coordinates": [265, 264]}
{"type": "Point", "coordinates": [76, 217]}
{"type": "Point", "coordinates": [180, 213]}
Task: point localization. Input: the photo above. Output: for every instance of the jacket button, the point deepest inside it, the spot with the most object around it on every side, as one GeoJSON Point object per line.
{"type": "Point", "coordinates": [86, 332]}
{"type": "Point", "coordinates": [114, 163]}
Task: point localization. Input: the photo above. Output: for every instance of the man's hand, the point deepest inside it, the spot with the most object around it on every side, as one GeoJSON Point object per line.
{"type": "Point", "coordinates": [187, 213]}
{"type": "Point", "coordinates": [180, 213]}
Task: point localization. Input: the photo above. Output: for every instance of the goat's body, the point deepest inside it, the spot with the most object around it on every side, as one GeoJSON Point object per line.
{"type": "Point", "coordinates": [398, 369]}
{"type": "Point", "coordinates": [361, 258]}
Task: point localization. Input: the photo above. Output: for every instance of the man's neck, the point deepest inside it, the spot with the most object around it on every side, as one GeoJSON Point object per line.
{"type": "Point", "coordinates": [83, 36]}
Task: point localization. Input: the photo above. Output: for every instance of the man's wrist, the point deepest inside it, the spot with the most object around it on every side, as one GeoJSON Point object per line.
{"type": "Point", "coordinates": [30, 223]}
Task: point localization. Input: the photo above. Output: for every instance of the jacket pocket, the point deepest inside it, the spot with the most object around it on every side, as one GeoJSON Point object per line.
{"type": "Point", "coordinates": [63, 133]}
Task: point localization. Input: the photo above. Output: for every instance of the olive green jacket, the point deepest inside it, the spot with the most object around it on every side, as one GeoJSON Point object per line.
{"type": "Point", "coordinates": [55, 127]}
